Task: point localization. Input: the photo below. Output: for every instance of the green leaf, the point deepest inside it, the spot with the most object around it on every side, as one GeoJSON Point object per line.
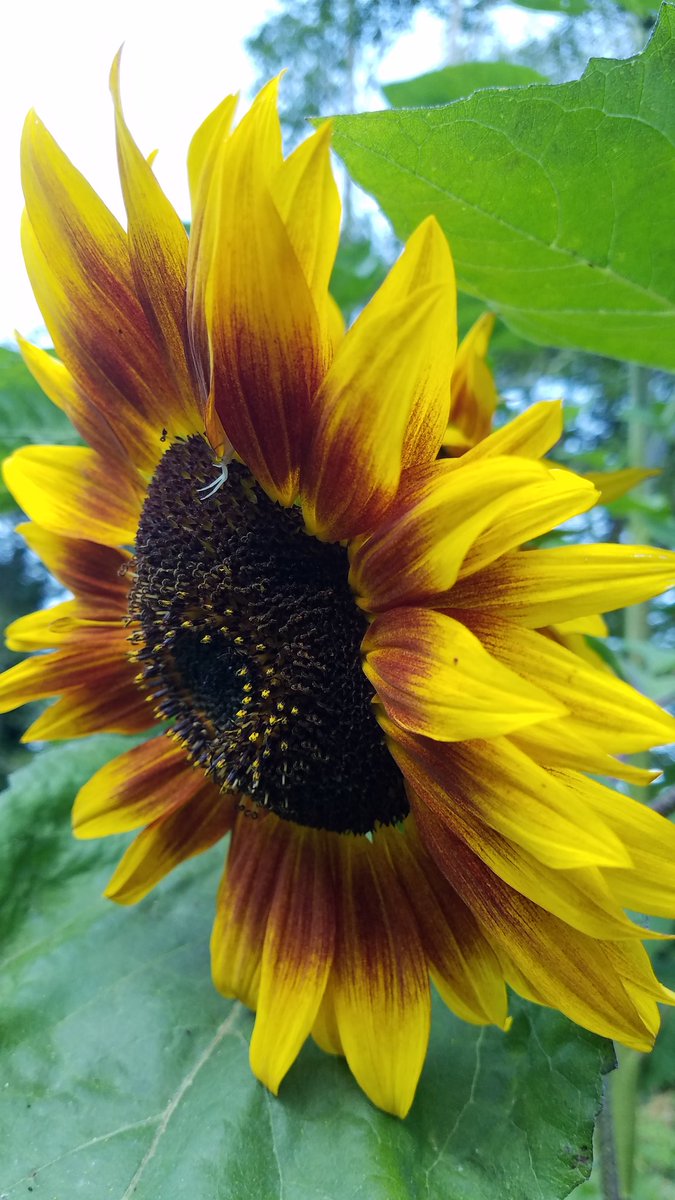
{"type": "Point", "coordinates": [557, 199]}
{"type": "Point", "coordinates": [570, 8]}
{"type": "Point", "coordinates": [26, 415]}
{"type": "Point", "coordinates": [452, 83]}
{"type": "Point", "coordinates": [124, 1073]}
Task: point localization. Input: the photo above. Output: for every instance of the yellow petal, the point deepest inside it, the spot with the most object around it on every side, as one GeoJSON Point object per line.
{"type": "Point", "coordinates": [242, 909]}
{"type": "Point", "coordinates": [614, 484]}
{"type": "Point", "coordinates": [649, 886]}
{"type": "Point", "coordinates": [383, 403]}
{"type": "Point", "coordinates": [136, 788]}
{"type": "Point", "coordinates": [560, 966]}
{"type": "Point", "coordinates": [119, 707]}
{"type": "Point", "coordinates": [473, 391]}
{"type": "Point", "coordinates": [434, 677]}
{"type": "Point", "coordinates": [59, 385]}
{"type": "Point", "coordinates": [158, 248]}
{"type": "Point", "coordinates": [538, 509]}
{"type": "Point", "coordinates": [306, 195]}
{"type": "Point", "coordinates": [78, 261]}
{"type": "Point", "coordinates": [98, 653]}
{"type": "Point", "coordinates": [578, 895]}
{"type": "Point", "coordinates": [529, 435]}
{"type": "Point", "coordinates": [71, 490]}
{"type": "Point", "coordinates": [540, 587]}
{"type": "Point", "coordinates": [439, 513]}
{"type": "Point", "coordinates": [267, 354]}
{"type": "Point", "coordinates": [169, 841]}
{"type": "Point", "coordinates": [613, 715]}
{"type": "Point", "coordinates": [463, 965]}
{"type": "Point", "coordinates": [561, 743]}
{"type": "Point", "coordinates": [44, 629]}
{"type": "Point", "coordinates": [98, 575]}
{"type": "Point", "coordinates": [297, 953]}
{"type": "Point", "coordinates": [202, 157]}
{"type": "Point", "coordinates": [381, 983]}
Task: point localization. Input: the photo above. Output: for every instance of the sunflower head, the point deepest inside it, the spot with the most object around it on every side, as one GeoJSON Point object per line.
{"type": "Point", "coordinates": [364, 674]}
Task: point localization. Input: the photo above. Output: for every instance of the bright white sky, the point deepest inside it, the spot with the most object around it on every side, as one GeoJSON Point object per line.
{"type": "Point", "coordinates": [179, 61]}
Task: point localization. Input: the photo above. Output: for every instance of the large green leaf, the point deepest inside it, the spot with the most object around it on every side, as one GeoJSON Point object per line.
{"type": "Point", "coordinates": [124, 1073]}
{"type": "Point", "coordinates": [26, 415]}
{"type": "Point", "coordinates": [557, 199]}
{"type": "Point", "coordinates": [452, 83]}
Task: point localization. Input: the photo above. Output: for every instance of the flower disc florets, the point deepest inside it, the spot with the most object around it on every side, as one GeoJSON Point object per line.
{"type": "Point", "coordinates": [251, 647]}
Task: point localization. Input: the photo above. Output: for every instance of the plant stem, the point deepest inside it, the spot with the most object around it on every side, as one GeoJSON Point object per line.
{"type": "Point", "coordinates": [624, 1086]}
{"type": "Point", "coordinates": [604, 1130]}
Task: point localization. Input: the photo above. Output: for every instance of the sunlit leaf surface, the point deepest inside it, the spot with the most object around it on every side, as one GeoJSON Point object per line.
{"type": "Point", "coordinates": [557, 200]}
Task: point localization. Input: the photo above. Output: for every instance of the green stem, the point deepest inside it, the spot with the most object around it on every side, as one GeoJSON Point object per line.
{"type": "Point", "coordinates": [606, 1141]}
{"type": "Point", "coordinates": [624, 1087]}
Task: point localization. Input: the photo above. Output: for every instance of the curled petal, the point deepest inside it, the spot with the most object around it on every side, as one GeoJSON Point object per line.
{"type": "Point", "coordinates": [448, 521]}
{"type": "Point", "coordinates": [434, 677]}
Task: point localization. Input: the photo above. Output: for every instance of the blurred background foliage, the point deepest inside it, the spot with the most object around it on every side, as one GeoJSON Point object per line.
{"type": "Point", "coordinates": [617, 414]}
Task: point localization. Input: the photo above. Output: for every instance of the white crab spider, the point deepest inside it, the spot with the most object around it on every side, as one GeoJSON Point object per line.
{"type": "Point", "coordinates": [209, 489]}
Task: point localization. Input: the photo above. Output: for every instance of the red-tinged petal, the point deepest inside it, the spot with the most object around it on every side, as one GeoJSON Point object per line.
{"type": "Point", "coordinates": [97, 654]}
{"type": "Point", "coordinates": [245, 898]}
{"type": "Point", "coordinates": [78, 260]}
{"type": "Point", "coordinates": [72, 490]}
{"type": "Point", "coordinates": [530, 435]}
{"type": "Point", "coordinates": [158, 249]}
{"type": "Point", "coordinates": [493, 783]}
{"type": "Point", "coordinates": [561, 966]}
{"type": "Point", "coordinates": [380, 985]}
{"type": "Point", "coordinates": [202, 157]}
{"type": "Point", "coordinates": [540, 587]}
{"type": "Point", "coordinates": [120, 708]}
{"type": "Point", "coordinates": [463, 965]}
{"type": "Point", "coordinates": [62, 389]}
{"type": "Point", "coordinates": [297, 952]}
{"type": "Point", "coordinates": [439, 513]}
{"type": "Point", "coordinates": [96, 574]}
{"type": "Point", "coordinates": [579, 895]}
{"type": "Point", "coordinates": [267, 357]}
{"type": "Point", "coordinates": [169, 841]}
{"type": "Point", "coordinates": [434, 677]}
{"type": "Point", "coordinates": [538, 509]}
{"type": "Point", "coordinates": [135, 788]}
{"type": "Point", "coordinates": [306, 195]}
{"type": "Point", "coordinates": [383, 404]}
{"type": "Point", "coordinates": [613, 715]}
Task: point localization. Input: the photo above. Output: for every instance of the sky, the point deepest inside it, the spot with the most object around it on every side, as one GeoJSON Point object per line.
{"type": "Point", "coordinates": [179, 61]}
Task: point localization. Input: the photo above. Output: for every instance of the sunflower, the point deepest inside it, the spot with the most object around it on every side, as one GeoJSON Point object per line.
{"type": "Point", "coordinates": [347, 645]}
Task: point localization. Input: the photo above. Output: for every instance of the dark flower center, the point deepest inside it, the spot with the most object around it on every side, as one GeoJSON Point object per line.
{"type": "Point", "coordinates": [251, 648]}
